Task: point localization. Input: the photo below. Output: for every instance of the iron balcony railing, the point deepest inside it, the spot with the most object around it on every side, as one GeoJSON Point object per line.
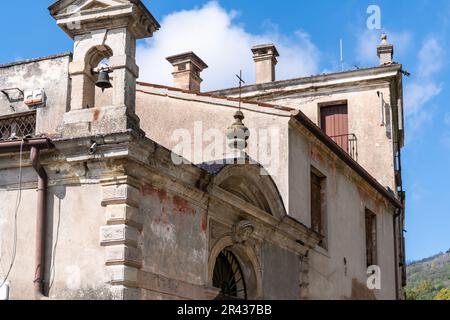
{"type": "Point", "coordinates": [18, 125]}
{"type": "Point", "coordinates": [348, 142]}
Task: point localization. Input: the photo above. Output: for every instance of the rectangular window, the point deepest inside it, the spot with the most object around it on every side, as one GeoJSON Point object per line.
{"type": "Point", "coordinates": [371, 238]}
{"type": "Point", "coordinates": [318, 206]}
{"type": "Point", "coordinates": [18, 125]}
{"type": "Point", "coordinates": [334, 122]}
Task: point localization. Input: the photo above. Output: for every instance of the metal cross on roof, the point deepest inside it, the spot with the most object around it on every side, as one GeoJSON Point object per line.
{"type": "Point", "coordinates": [241, 81]}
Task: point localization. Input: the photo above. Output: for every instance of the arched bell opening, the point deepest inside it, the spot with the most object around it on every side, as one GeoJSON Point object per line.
{"type": "Point", "coordinates": [100, 77]}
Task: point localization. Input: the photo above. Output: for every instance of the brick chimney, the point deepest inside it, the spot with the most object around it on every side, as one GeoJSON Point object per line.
{"type": "Point", "coordinates": [385, 51]}
{"type": "Point", "coordinates": [265, 57]}
{"type": "Point", "coordinates": [187, 68]}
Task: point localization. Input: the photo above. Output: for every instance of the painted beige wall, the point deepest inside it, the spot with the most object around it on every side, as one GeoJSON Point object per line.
{"type": "Point", "coordinates": [346, 200]}
{"type": "Point", "coordinates": [49, 74]}
{"type": "Point", "coordinates": [174, 236]}
{"type": "Point", "coordinates": [74, 220]}
{"type": "Point", "coordinates": [375, 142]}
{"type": "Point", "coordinates": [161, 116]}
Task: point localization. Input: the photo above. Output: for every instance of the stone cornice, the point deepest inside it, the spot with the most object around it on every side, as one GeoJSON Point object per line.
{"type": "Point", "coordinates": [317, 81]}
{"type": "Point", "coordinates": [131, 14]}
{"type": "Point", "coordinates": [299, 237]}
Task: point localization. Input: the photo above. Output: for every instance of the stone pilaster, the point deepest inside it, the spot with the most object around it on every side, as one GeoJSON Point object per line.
{"type": "Point", "coordinates": [304, 277]}
{"type": "Point", "coordinates": [120, 237]}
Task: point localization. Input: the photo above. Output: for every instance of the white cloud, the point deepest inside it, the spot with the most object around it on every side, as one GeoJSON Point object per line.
{"type": "Point", "coordinates": [418, 94]}
{"type": "Point", "coordinates": [212, 33]}
{"type": "Point", "coordinates": [368, 40]}
{"type": "Point", "coordinates": [431, 58]}
{"type": "Point", "coordinates": [424, 87]}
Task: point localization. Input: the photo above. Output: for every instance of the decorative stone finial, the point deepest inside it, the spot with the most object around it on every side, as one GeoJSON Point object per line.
{"type": "Point", "coordinates": [238, 133]}
{"type": "Point", "coordinates": [385, 51]}
{"type": "Point", "coordinates": [242, 231]}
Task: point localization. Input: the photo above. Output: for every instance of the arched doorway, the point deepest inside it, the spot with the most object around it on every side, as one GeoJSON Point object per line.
{"type": "Point", "coordinates": [228, 277]}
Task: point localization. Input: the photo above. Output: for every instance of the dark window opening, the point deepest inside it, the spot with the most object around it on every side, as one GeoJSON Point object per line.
{"type": "Point", "coordinates": [371, 238]}
{"type": "Point", "coordinates": [318, 204]}
{"type": "Point", "coordinates": [228, 277]}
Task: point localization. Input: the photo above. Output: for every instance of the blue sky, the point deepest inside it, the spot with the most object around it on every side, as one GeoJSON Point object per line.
{"type": "Point", "coordinates": [307, 34]}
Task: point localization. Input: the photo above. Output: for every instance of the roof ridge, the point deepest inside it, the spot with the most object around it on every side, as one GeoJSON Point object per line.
{"type": "Point", "coordinates": [25, 61]}
{"type": "Point", "coordinates": [203, 94]}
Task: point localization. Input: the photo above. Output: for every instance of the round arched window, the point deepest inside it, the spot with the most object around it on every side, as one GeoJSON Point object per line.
{"type": "Point", "coordinates": [228, 277]}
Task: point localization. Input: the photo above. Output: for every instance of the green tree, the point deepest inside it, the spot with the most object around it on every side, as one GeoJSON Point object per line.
{"type": "Point", "coordinates": [444, 294]}
{"type": "Point", "coordinates": [420, 292]}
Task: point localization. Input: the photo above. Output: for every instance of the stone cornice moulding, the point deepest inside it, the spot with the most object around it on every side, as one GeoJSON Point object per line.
{"type": "Point", "coordinates": [318, 80]}
{"type": "Point", "coordinates": [284, 227]}
{"type": "Point", "coordinates": [116, 14]}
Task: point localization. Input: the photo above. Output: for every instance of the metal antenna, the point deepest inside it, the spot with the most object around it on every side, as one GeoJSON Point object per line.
{"type": "Point", "coordinates": [342, 54]}
{"type": "Point", "coordinates": [241, 81]}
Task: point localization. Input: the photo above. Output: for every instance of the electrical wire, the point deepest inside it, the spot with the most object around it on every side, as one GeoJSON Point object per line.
{"type": "Point", "coordinates": [16, 211]}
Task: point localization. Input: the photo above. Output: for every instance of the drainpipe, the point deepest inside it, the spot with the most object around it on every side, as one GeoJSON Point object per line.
{"type": "Point", "coordinates": [35, 146]}
{"type": "Point", "coordinates": [396, 242]}
{"type": "Point", "coordinates": [40, 224]}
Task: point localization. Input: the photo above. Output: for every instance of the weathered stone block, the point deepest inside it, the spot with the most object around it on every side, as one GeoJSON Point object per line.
{"type": "Point", "coordinates": [123, 254]}
{"type": "Point", "coordinates": [119, 292]}
{"type": "Point", "coordinates": [118, 234]}
{"type": "Point", "coordinates": [124, 214]}
{"type": "Point", "coordinates": [122, 275]}
{"type": "Point", "coordinates": [120, 194]}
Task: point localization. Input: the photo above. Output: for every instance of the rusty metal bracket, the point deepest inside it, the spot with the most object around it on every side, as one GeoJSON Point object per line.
{"type": "Point", "coordinates": [8, 96]}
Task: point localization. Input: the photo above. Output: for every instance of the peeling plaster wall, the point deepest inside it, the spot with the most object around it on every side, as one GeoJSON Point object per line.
{"type": "Point", "coordinates": [278, 261]}
{"type": "Point", "coordinates": [346, 201]}
{"type": "Point", "coordinates": [174, 236]}
{"type": "Point", "coordinates": [49, 74]}
{"type": "Point", "coordinates": [74, 259]}
{"type": "Point", "coordinates": [174, 239]}
{"type": "Point", "coordinates": [162, 116]}
{"type": "Point", "coordinates": [375, 142]}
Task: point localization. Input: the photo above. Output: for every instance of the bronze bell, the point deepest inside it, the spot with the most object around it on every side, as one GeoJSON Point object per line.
{"type": "Point", "coordinates": [103, 80]}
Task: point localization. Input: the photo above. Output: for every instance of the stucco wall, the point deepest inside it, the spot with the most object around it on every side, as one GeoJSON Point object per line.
{"type": "Point", "coordinates": [174, 236]}
{"type": "Point", "coordinates": [49, 74]}
{"type": "Point", "coordinates": [161, 116]}
{"type": "Point", "coordinates": [346, 199]}
{"type": "Point", "coordinates": [375, 142]}
{"type": "Point", "coordinates": [281, 272]}
{"type": "Point", "coordinates": [75, 260]}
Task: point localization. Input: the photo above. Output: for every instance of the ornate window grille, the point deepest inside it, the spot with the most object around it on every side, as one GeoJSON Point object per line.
{"type": "Point", "coordinates": [18, 125]}
{"type": "Point", "coordinates": [228, 277]}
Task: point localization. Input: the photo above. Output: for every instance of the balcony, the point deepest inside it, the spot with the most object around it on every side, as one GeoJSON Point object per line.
{"type": "Point", "coordinates": [348, 142]}
{"type": "Point", "coordinates": [18, 125]}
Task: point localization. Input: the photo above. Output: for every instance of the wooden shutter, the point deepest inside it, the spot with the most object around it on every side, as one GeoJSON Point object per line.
{"type": "Point", "coordinates": [334, 122]}
{"type": "Point", "coordinates": [316, 203]}
{"type": "Point", "coordinates": [371, 238]}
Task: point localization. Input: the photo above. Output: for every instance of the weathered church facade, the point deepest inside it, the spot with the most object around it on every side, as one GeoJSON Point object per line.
{"type": "Point", "coordinates": [108, 189]}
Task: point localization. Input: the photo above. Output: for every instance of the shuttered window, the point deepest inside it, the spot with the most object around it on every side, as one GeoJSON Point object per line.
{"type": "Point", "coordinates": [371, 238]}
{"type": "Point", "coordinates": [334, 122]}
{"type": "Point", "coordinates": [316, 203]}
